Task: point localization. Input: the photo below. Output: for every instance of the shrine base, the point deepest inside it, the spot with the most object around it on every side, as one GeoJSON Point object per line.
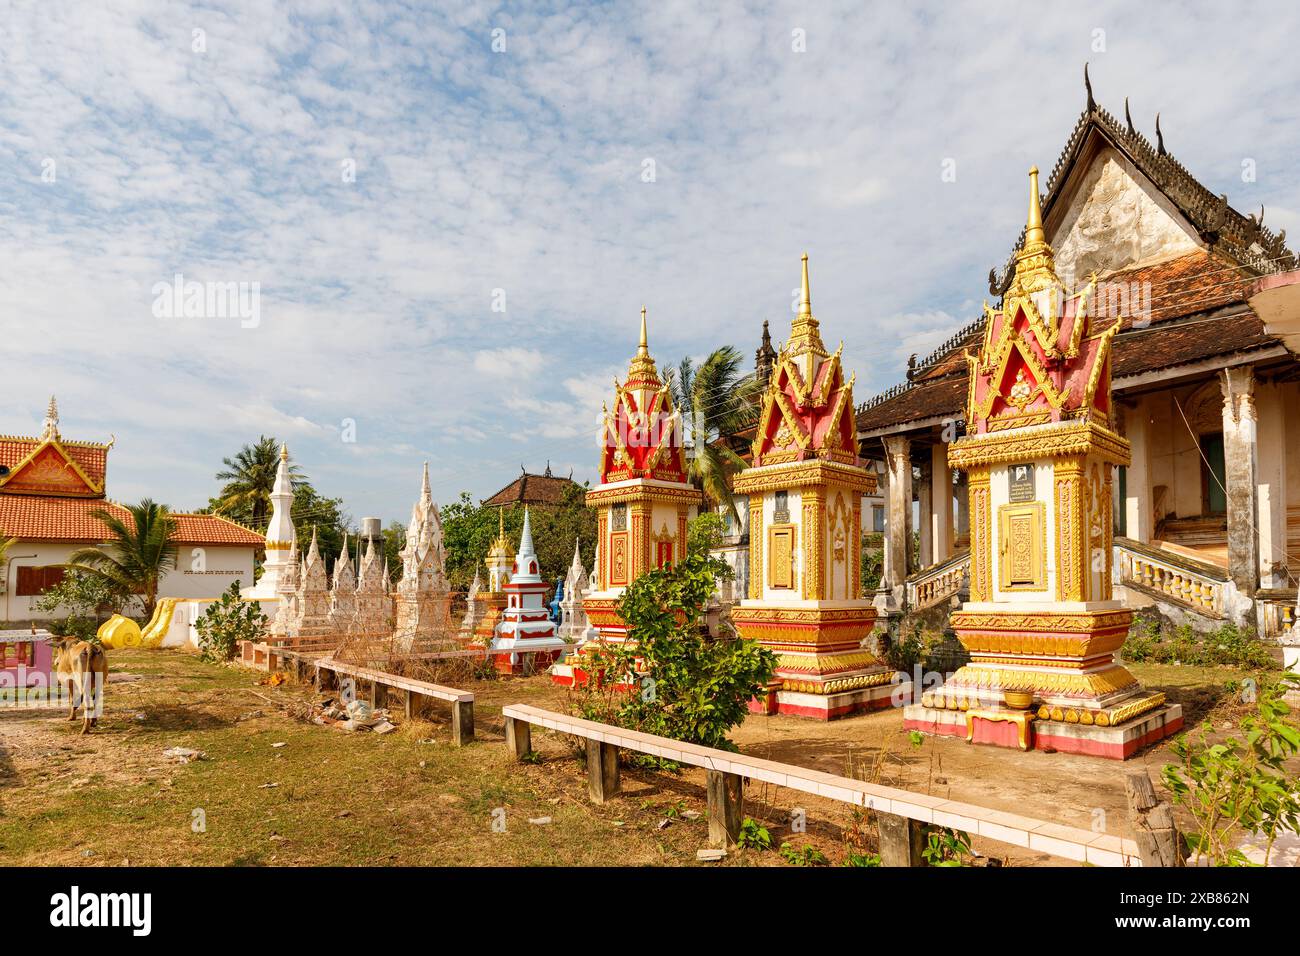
{"type": "Point", "coordinates": [829, 706]}
{"type": "Point", "coordinates": [1117, 742]}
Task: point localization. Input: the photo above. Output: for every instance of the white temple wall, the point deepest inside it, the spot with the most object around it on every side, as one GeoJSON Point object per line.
{"type": "Point", "coordinates": [204, 575]}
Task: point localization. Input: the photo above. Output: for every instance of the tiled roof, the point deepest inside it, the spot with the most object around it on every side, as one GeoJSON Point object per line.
{"type": "Point", "coordinates": [532, 490]}
{"type": "Point", "coordinates": [1179, 329]}
{"type": "Point", "coordinates": [91, 457]}
{"type": "Point", "coordinates": [42, 518]}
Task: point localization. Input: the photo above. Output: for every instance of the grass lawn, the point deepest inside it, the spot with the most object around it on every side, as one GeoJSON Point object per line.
{"type": "Point", "coordinates": [324, 797]}
{"type": "Point", "coordinates": [410, 798]}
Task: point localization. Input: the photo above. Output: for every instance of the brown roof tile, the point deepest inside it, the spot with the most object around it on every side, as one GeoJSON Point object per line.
{"type": "Point", "coordinates": [529, 489]}
{"type": "Point", "coordinates": [42, 518]}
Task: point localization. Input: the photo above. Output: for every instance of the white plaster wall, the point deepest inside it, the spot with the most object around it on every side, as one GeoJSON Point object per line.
{"type": "Point", "coordinates": [224, 565]}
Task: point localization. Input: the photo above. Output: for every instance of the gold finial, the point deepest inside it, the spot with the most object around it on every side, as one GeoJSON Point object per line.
{"type": "Point", "coordinates": [284, 452]}
{"type": "Point", "coordinates": [1034, 228]}
{"type": "Point", "coordinates": [642, 366]}
{"type": "Point", "coordinates": [501, 523]}
{"type": "Point", "coordinates": [805, 298]}
{"type": "Point", "coordinates": [644, 347]}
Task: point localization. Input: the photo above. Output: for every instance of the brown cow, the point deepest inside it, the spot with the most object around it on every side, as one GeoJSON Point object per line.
{"type": "Point", "coordinates": [82, 669]}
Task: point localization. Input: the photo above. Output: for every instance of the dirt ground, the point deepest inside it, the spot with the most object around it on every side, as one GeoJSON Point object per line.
{"type": "Point", "coordinates": [276, 789]}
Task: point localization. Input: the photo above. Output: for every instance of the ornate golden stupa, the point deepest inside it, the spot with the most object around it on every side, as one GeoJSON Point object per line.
{"type": "Point", "coordinates": [1042, 627]}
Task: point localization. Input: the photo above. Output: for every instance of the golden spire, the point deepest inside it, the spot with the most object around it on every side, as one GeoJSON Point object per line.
{"type": "Point", "coordinates": [1034, 227]}
{"type": "Point", "coordinates": [1035, 263]}
{"type": "Point", "coordinates": [642, 367]}
{"type": "Point", "coordinates": [284, 452]}
{"type": "Point", "coordinates": [804, 334]}
{"type": "Point", "coordinates": [805, 297]}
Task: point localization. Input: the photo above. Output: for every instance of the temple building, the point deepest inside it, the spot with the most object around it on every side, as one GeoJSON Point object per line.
{"type": "Point", "coordinates": [546, 490]}
{"type": "Point", "coordinates": [1205, 380]}
{"type": "Point", "coordinates": [643, 501]}
{"type": "Point", "coordinates": [49, 485]}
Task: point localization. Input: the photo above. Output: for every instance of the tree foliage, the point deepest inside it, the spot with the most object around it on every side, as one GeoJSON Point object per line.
{"type": "Point", "coordinates": [1240, 786]}
{"type": "Point", "coordinates": [716, 400]}
{"type": "Point", "coordinates": [468, 530]}
{"type": "Point", "coordinates": [688, 685]}
{"type": "Point", "coordinates": [138, 554]}
{"type": "Point", "coordinates": [86, 600]}
{"type": "Point", "coordinates": [249, 479]}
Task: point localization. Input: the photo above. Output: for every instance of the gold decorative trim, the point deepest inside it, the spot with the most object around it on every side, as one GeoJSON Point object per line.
{"type": "Point", "coordinates": [1047, 441]}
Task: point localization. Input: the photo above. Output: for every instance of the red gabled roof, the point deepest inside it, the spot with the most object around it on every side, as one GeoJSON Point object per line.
{"type": "Point", "coordinates": [42, 518]}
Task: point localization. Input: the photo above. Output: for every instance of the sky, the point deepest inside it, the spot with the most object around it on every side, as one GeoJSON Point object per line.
{"type": "Point", "coordinates": [453, 213]}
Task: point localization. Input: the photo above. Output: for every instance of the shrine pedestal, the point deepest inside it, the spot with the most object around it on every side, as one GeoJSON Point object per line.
{"type": "Point", "coordinates": [822, 671]}
{"type": "Point", "coordinates": [1118, 742]}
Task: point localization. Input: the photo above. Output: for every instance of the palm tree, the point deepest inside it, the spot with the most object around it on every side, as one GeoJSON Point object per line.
{"type": "Point", "coordinates": [716, 401]}
{"type": "Point", "coordinates": [139, 551]}
{"type": "Point", "coordinates": [250, 478]}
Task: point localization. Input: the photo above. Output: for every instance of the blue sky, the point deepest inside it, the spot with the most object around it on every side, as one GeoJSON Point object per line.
{"type": "Point", "coordinates": [222, 156]}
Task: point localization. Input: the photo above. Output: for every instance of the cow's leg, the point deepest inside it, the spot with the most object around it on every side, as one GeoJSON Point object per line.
{"type": "Point", "coordinates": [87, 700]}
{"type": "Point", "coordinates": [70, 690]}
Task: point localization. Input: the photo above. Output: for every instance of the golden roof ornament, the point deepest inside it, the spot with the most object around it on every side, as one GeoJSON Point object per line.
{"type": "Point", "coordinates": [642, 367]}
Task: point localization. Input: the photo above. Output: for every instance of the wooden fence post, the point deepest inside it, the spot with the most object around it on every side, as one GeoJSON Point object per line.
{"type": "Point", "coordinates": [1154, 830]}
{"type": "Point", "coordinates": [519, 737]}
{"type": "Point", "coordinates": [602, 771]}
{"type": "Point", "coordinates": [901, 840]}
{"type": "Point", "coordinates": [378, 694]}
{"type": "Point", "coordinates": [726, 797]}
{"type": "Point", "coordinates": [462, 722]}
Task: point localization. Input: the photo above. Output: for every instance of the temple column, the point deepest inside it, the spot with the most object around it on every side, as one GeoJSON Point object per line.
{"type": "Point", "coordinates": [898, 465]}
{"type": "Point", "coordinates": [1240, 427]}
{"type": "Point", "coordinates": [1137, 494]}
{"type": "Point", "coordinates": [925, 512]}
{"type": "Point", "coordinates": [1272, 479]}
{"type": "Point", "coordinates": [941, 500]}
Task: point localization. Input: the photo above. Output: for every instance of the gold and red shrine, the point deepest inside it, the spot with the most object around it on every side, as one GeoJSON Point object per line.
{"type": "Point", "coordinates": [805, 489]}
{"type": "Point", "coordinates": [1042, 627]}
{"type": "Point", "coordinates": [643, 502]}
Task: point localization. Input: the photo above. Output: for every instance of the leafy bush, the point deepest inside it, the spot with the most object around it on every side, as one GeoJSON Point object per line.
{"type": "Point", "coordinates": [1238, 787]}
{"type": "Point", "coordinates": [753, 835]}
{"type": "Point", "coordinates": [686, 684]}
{"type": "Point", "coordinates": [1229, 646]}
{"type": "Point", "coordinates": [87, 598]}
{"type": "Point", "coordinates": [226, 622]}
{"type": "Point", "coordinates": [807, 856]}
{"type": "Point", "coordinates": [862, 859]}
{"type": "Point", "coordinates": [946, 847]}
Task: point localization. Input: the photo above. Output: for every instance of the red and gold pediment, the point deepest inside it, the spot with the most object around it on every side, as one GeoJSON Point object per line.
{"type": "Point", "coordinates": [807, 408]}
{"type": "Point", "coordinates": [1044, 357]}
{"type": "Point", "coordinates": [49, 469]}
{"type": "Point", "coordinates": [642, 436]}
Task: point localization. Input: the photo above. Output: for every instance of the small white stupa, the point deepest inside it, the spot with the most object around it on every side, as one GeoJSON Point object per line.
{"type": "Point", "coordinates": [278, 568]}
{"type": "Point", "coordinates": [526, 635]}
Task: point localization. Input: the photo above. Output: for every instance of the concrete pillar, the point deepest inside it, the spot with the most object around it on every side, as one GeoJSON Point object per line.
{"type": "Point", "coordinates": [1271, 485]}
{"type": "Point", "coordinates": [519, 737]}
{"type": "Point", "coordinates": [725, 804]}
{"type": "Point", "coordinates": [898, 517]}
{"type": "Point", "coordinates": [1137, 483]}
{"type": "Point", "coordinates": [602, 771]}
{"type": "Point", "coordinates": [925, 512]}
{"type": "Point", "coordinates": [1240, 427]}
{"type": "Point", "coordinates": [901, 840]}
{"type": "Point", "coordinates": [941, 502]}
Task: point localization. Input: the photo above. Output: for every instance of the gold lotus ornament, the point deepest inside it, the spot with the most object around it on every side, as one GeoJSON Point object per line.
{"type": "Point", "coordinates": [1018, 699]}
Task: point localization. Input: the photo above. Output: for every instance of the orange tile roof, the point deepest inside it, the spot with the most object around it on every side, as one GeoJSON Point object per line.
{"type": "Point", "coordinates": [91, 456]}
{"type": "Point", "coordinates": [41, 518]}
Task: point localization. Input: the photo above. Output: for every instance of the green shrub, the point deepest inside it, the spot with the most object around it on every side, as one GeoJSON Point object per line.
{"type": "Point", "coordinates": [946, 847]}
{"type": "Point", "coordinates": [226, 622]}
{"type": "Point", "coordinates": [807, 856]}
{"type": "Point", "coordinates": [1229, 646]}
{"type": "Point", "coordinates": [862, 859]}
{"type": "Point", "coordinates": [753, 835]}
{"type": "Point", "coordinates": [1237, 787]}
{"type": "Point", "coordinates": [686, 684]}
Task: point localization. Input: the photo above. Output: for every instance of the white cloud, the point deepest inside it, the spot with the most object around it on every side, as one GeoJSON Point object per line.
{"type": "Point", "coordinates": [522, 171]}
